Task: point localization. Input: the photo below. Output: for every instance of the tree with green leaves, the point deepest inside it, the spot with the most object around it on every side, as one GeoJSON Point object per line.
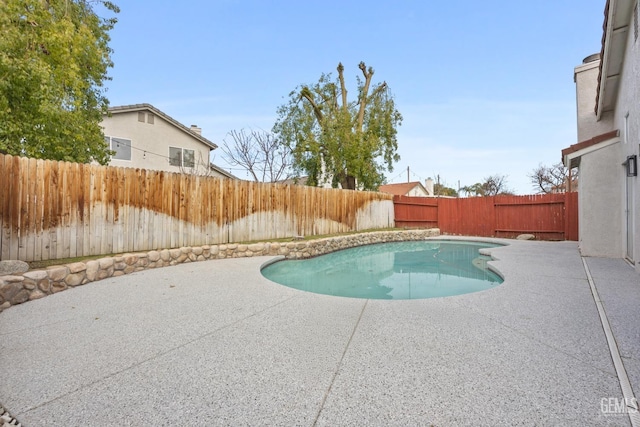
{"type": "Point", "coordinates": [54, 57]}
{"type": "Point", "coordinates": [493, 185]}
{"type": "Point", "coordinates": [443, 190]}
{"type": "Point", "coordinates": [440, 188]}
{"type": "Point", "coordinates": [350, 143]}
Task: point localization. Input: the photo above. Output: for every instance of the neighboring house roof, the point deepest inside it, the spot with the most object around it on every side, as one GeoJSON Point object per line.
{"type": "Point", "coordinates": [571, 155]}
{"type": "Point", "coordinates": [401, 189]}
{"type": "Point", "coordinates": [154, 110]}
{"type": "Point", "coordinates": [302, 180]}
{"type": "Point", "coordinates": [617, 18]}
{"type": "Point", "coordinates": [222, 171]}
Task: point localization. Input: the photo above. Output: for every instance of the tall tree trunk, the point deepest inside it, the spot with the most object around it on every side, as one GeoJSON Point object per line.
{"type": "Point", "coordinates": [363, 96]}
{"type": "Point", "coordinates": [348, 182]}
{"type": "Point", "coordinates": [343, 88]}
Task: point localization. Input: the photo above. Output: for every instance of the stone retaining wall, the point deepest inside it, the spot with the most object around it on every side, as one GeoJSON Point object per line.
{"type": "Point", "coordinates": [35, 284]}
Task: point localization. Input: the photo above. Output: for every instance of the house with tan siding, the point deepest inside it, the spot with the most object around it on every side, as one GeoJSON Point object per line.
{"type": "Point", "coordinates": [144, 137]}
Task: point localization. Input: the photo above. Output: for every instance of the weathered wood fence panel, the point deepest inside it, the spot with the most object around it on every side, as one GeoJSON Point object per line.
{"type": "Point", "coordinates": [458, 216]}
{"type": "Point", "coordinates": [416, 211]}
{"type": "Point", "coordinates": [548, 216]}
{"type": "Point", "coordinates": [542, 215]}
{"type": "Point", "coordinates": [53, 210]}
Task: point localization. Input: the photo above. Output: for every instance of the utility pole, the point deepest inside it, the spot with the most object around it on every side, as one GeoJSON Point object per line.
{"type": "Point", "coordinates": [408, 174]}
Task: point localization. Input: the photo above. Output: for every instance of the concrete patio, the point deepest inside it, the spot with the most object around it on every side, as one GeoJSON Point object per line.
{"type": "Point", "coordinates": [215, 343]}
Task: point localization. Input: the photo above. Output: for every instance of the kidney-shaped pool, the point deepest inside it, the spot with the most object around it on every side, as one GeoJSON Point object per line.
{"type": "Point", "coordinates": [398, 270]}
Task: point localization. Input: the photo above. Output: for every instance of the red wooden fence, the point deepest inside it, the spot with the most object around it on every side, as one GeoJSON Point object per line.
{"type": "Point", "coordinates": [547, 216]}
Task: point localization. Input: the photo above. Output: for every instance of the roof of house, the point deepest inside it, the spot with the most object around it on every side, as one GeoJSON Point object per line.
{"type": "Point", "coordinates": [221, 171]}
{"type": "Point", "coordinates": [401, 189]}
{"type": "Point", "coordinates": [617, 18]}
{"type": "Point", "coordinates": [154, 110]}
{"type": "Point", "coordinates": [583, 145]}
{"type": "Point", "coordinates": [300, 180]}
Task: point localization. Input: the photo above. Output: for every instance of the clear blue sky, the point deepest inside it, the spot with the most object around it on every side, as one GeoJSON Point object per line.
{"type": "Point", "coordinates": [485, 87]}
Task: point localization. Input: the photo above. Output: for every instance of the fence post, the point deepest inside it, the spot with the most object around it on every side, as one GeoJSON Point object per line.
{"type": "Point", "coordinates": [571, 216]}
{"type": "Point", "coordinates": [567, 210]}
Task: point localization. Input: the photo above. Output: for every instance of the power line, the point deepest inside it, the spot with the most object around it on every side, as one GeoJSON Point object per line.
{"type": "Point", "coordinates": [417, 176]}
{"type": "Point", "coordinates": [403, 173]}
{"type": "Point", "coordinates": [145, 152]}
{"type": "Point", "coordinates": [397, 176]}
{"type": "Point", "coordinates": [124, 143]}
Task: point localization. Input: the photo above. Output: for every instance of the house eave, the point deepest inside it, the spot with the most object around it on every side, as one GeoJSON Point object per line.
{"type": "Point", "coordinates": [166, 117]}
{"type": "Point", "coordinates": [617, 18]}
{"type": "Point", "coordinates": [571, 155]}
{"type": "Point", "coordinates": [222, 172]}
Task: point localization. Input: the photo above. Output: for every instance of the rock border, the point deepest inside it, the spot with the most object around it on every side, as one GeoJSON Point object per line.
{"type": "Point", "coordinates": [7, 420]}
{"type": "Point", "coordinates": [36, 284]}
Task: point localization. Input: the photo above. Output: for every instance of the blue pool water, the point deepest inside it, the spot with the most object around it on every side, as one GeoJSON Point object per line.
{"type": "Point", "coordinates": [401, 270]}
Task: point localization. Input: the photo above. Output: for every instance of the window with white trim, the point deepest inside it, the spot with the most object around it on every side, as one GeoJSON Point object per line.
{"type": "Point", "coordinates": [182, 157]}
{"type": "Point", "coordinates": [626, 127]}
{"type": "Point", "coordinates": [121, 146]}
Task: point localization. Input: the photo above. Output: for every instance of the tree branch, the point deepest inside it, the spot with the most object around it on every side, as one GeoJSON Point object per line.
{"type": "Point", "coordinates": [368, 74]}
{"type": "Point", "coordinates": [306, 94]}
{"type": "Point", "coordinates": [259, 152]}
{"type": "Point", "coordinates": [343, 88]}
{"type": "Point", "coordinates": [241, 152]}
{"type": "Point", "coordinates": [379, 89]}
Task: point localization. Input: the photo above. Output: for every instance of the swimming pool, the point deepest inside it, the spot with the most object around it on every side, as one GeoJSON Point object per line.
{"type": "Point", "coordinates": [399, 270]}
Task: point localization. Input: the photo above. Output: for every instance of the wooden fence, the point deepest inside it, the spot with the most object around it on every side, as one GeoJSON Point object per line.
{"type": "Point", "coordinates": [54, 210]}
{"type": "Point", "coordinates": [548, 216]}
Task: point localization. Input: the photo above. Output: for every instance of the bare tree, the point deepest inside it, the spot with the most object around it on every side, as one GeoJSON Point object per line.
{"type": "Point", "coordinates": [492, 185]}
{"type": "Point", "coordinates": [552, 179]}
{"type": "Point", "coordinates": [495, 185]}
{"type": "Point", "coordinates": [259, 152]}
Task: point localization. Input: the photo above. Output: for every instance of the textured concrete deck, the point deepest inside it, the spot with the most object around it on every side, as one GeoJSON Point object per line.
{"type": "Point", "coordinates": [214, 343]}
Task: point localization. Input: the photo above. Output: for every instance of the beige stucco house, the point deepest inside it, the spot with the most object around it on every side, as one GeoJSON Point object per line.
{"type": "Point", "coordinates": [412, 189]}
{"type": "Point", "coordinates": [144, 137]}
{"type": "Point", "coordinates": [606, 153]}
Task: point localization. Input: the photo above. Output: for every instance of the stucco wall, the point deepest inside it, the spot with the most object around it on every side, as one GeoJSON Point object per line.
{"type": "Point", "coordinates": [604, 186]}
{"type": "Point", "coordinates": [600, 203]}
{"type": "Point", "coordinates": [417, 191]}
{"type": "Point", "coordinates": [627, 119]}
{"type": "Point", "coordinates": [150, 142]}
{"type": "Point", "coordinates": [586, 78]}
